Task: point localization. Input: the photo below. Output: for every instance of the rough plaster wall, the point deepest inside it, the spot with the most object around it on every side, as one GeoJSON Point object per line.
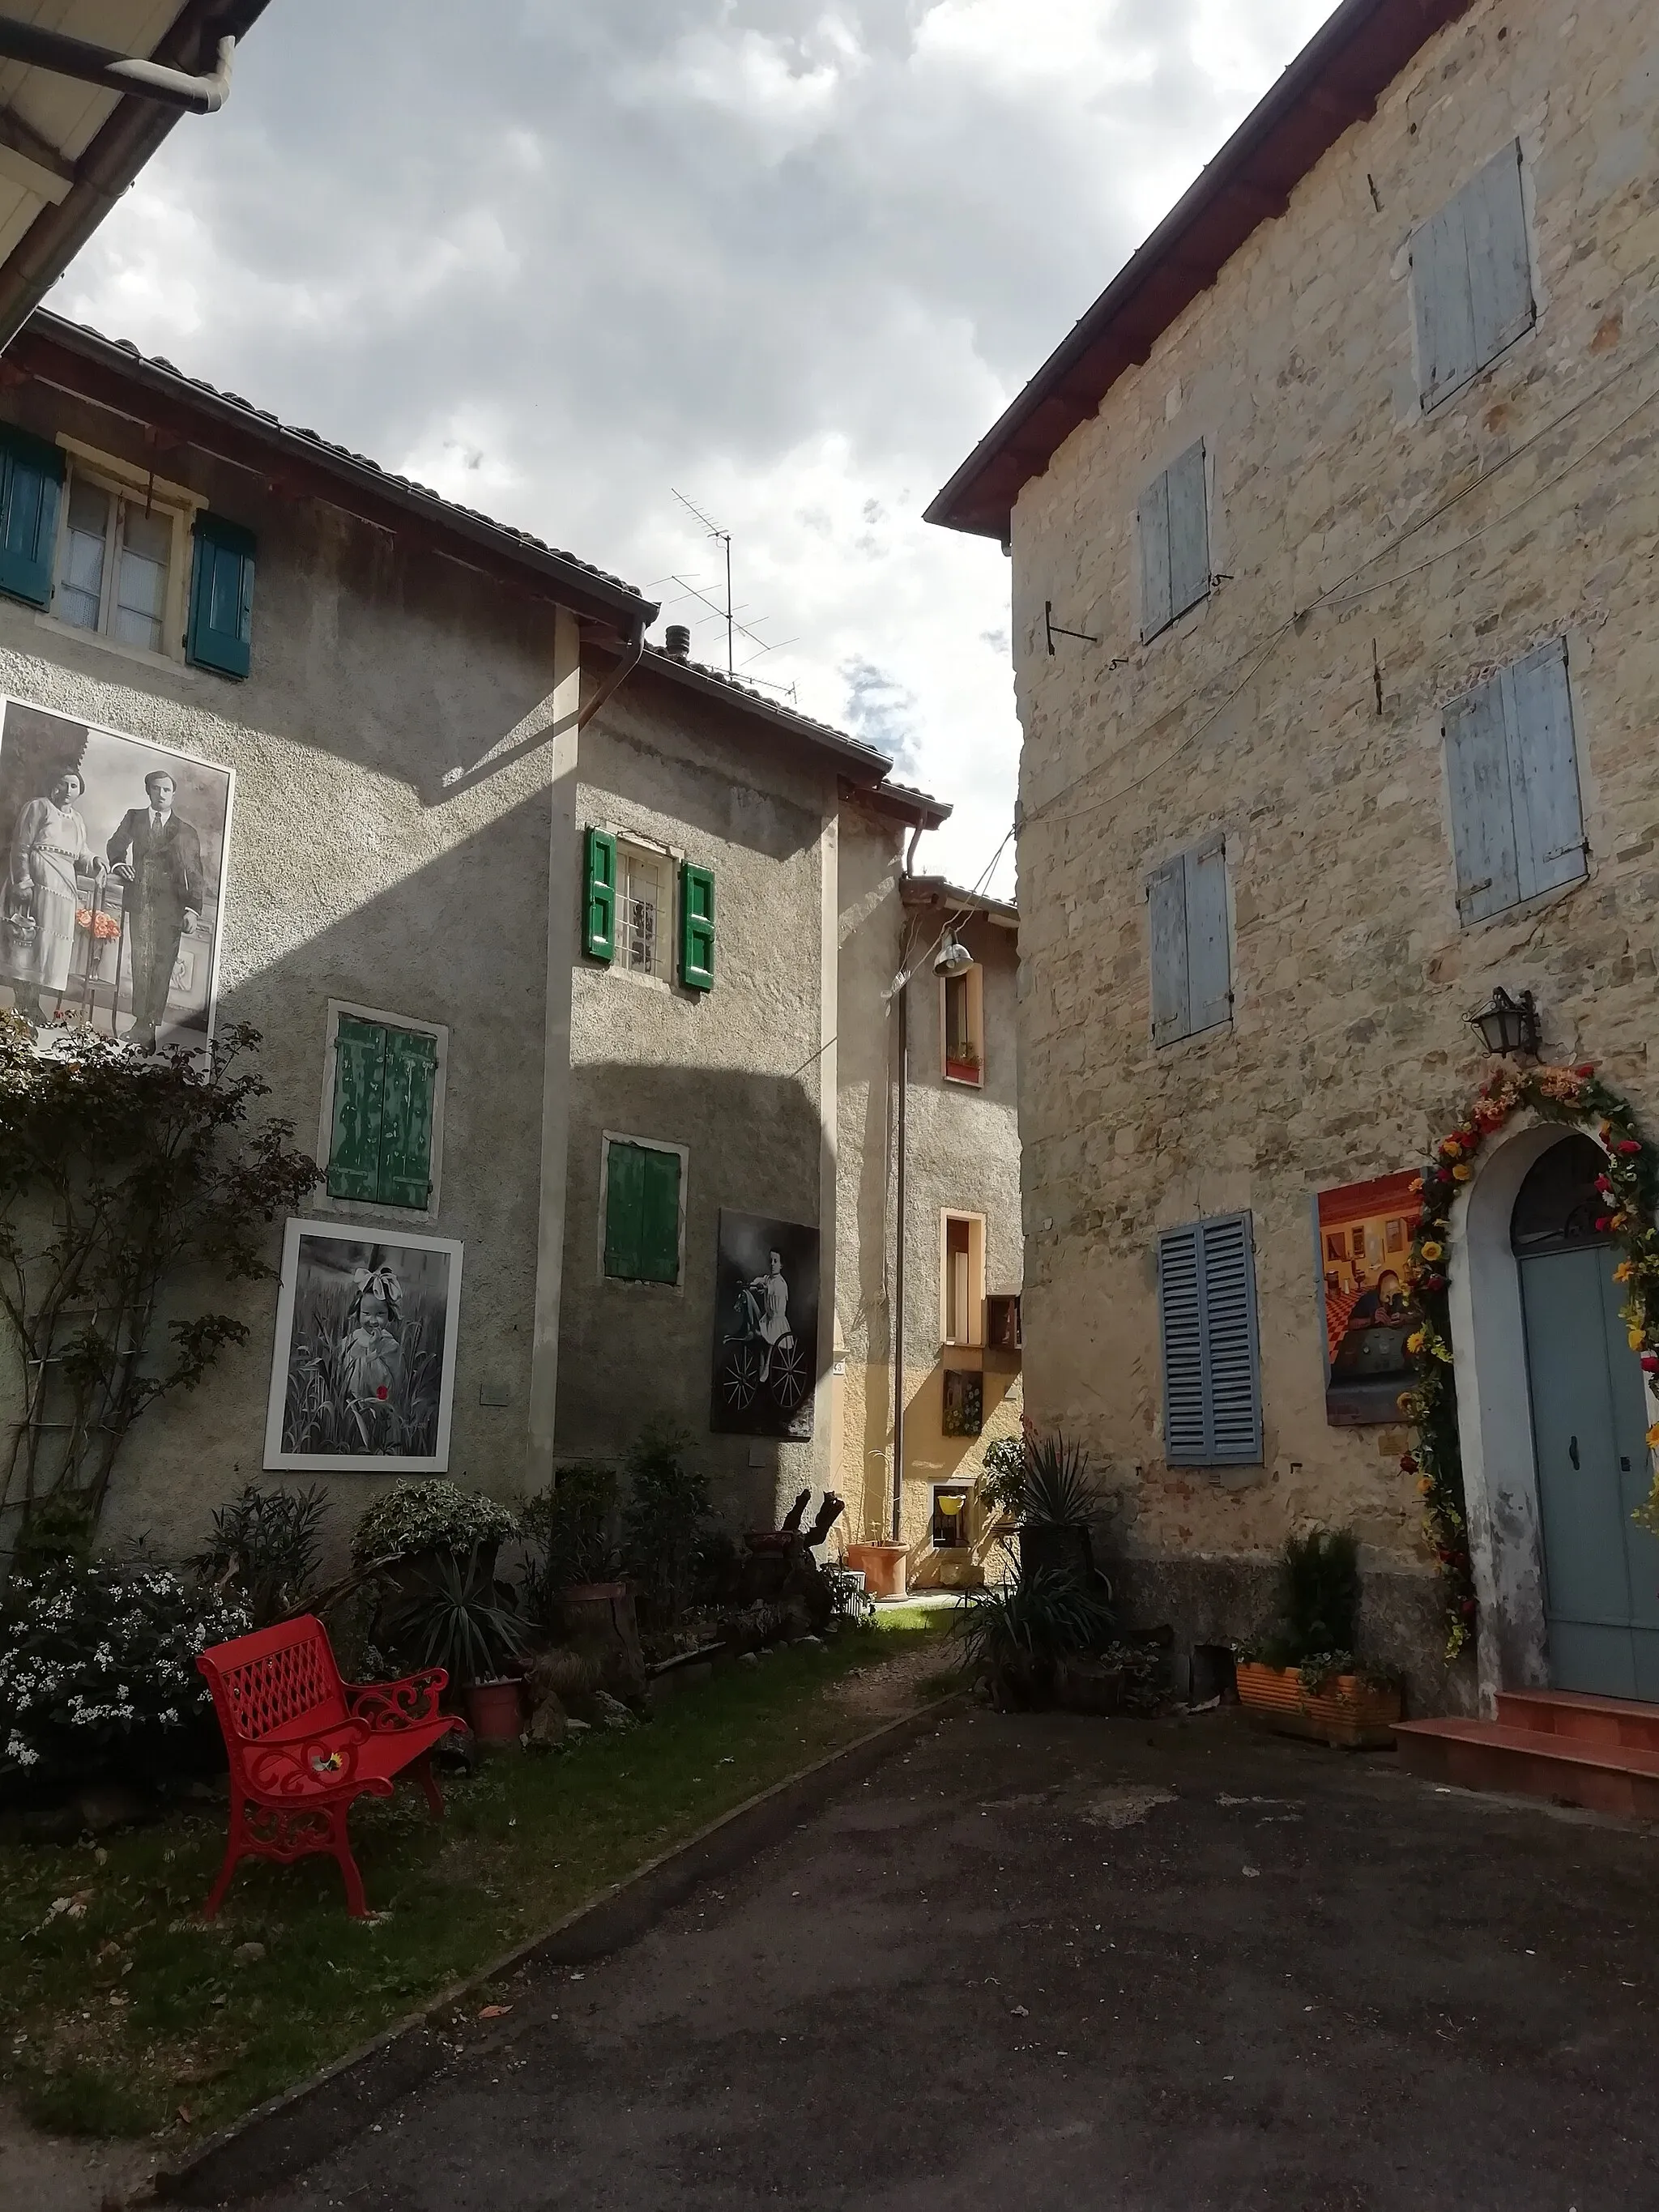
{"type": "Point", "coordinates": [378, 854]}
{"type": "Point", "coordinates": [731, 1073]}
{"type": "Point", "coordinates": [1351, 973]}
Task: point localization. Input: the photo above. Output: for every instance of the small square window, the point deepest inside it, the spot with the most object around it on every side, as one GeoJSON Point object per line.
{"type": "Point", "coordinates": [950, 1530]}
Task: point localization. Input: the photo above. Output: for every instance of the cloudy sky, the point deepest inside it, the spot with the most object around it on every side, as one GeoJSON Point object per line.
{"type": "Point", "coordinates": [560, 258]}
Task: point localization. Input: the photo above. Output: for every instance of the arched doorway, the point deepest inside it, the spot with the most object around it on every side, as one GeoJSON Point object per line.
{"type": "Point", "coordinates": [1588, 1427]}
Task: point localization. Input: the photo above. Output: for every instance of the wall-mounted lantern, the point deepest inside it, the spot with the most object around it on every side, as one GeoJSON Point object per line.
{"type": "Point", "coordinates": [1510, 1026]}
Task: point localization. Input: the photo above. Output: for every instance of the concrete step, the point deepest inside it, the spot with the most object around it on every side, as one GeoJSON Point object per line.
{"type": "Point", "coordinates": [1616, 1721]}
{"type": "Point", "coordinates": [1534, 1763]}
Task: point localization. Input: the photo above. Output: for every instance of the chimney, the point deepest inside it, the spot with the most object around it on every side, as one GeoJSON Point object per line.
{"type": "Point", "coordinates": [677, 641]}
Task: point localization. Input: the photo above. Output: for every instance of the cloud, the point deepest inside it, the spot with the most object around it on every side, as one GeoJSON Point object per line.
{"type": "Point", "coordinates": [557, 259]}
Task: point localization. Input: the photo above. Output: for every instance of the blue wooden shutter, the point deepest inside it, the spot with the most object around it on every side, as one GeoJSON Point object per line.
{"type": "Point", "coordinates": [624, 1210]}
{"type": "Point", "coordinates": [1482, 814]}
{"type": "Point", "coordinates": [410, 1085]}
{"type": "Point", "coordinates": [1181, 1317]}
{"type": "Point", "coordinates": [660, 1216]}
{"type": "Point", "coordinates": [1548, 815]}
{"type": "Point", "coordinates": [1232, 1359]}
{"type": "Point", "coordinates": [1209, 962]}
{"type": "Point", "coordinates": [697, 927]}
{"type": "Point", "coordinates": [1499, 265]}
{"type": "Point", "coordinates": [354, 1163]}
{"type": "Point", "coordinates": [1445, 317]}
{"type": "Point", "coordinates": [220, 634]}
{"type": "Point", "coordinates": [1156, 607]}
{"type": "Point", "coordinates": [1166, 910]}
{"type": "Point", "coordinates": [600, 897]}
{"type": "Point", "coordinates": [31, 476]}
{"type": "Point", "coordinates": [1189, 531]}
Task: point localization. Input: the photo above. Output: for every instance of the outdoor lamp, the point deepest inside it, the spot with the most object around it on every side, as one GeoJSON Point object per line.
{"type": "Point", "coordinates": [1509, 1025]}
{"type": "Point", "coordinates": [952, 957]}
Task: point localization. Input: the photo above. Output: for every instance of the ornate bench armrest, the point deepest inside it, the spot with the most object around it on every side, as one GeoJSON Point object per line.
{"type": "Point", "coordinates": [311, 1766]}
{"type": "Point", "coordinates": [388, 1707]}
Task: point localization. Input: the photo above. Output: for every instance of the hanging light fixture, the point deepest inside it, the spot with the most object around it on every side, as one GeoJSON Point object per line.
{"type": "Point", "coordinates": [1509, 1025]}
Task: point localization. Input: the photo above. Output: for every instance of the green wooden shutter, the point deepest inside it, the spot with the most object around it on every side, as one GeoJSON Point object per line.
{"type": "Point", "coordinates": [659, 1218]}
{"type": "Point", "coordinates": [31, 474]}
{"type": "Point", "coordinates": [221, 630]}
{"type": "Point", "coordinates": [411, 1079]}
{"type": "Point", "coordinates": [697, 927]}
{"type": "Point", "coordinates": [354, 1164]}
{"type": "Point", "coordinates": [624, 1210]}
{"type": "Point", "coordinates": [599, 920]}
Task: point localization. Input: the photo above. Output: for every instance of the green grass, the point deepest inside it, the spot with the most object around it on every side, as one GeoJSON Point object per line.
{"type": "Point", "coordinates": [124, 2013]}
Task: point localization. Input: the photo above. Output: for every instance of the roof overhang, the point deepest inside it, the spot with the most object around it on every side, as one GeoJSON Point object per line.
{"type": "Point", "coordinates": [69, 148]}
{"type": "Point", "coordinates": [900, 802]}
{"type": "Point", "coordinates": [1336, 82]}
{"type": "Point", "coordinates": [860, 764]}
{"type": "Point", "coordinates": [936, 892]}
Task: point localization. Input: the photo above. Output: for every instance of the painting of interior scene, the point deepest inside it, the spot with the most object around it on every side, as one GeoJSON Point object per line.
{"type": "Point", "coordinates": [114, 885]}
{"type": "Point", "coordinates": [1365, 1233]}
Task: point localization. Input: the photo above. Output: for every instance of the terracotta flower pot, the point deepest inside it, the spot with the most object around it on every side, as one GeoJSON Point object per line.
{"type": "Point", "coordinates": [495, 1710]}
{"type": "Point", "coordinates": [882, 1566]}
{"type": "Point", "coordinates": [1347, 1711]}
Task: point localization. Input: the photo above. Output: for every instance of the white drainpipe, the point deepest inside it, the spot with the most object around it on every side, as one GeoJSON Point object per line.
{"type": "Point", "coordinates": [77, 57]}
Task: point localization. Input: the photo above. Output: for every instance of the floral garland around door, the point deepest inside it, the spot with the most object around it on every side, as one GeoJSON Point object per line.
{"type": "Point", "coordinates": [1630, 1190]}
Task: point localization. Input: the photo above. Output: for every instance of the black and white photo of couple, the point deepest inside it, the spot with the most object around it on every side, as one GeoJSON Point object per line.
{"type": "Point", "coordinates": [115, 859]}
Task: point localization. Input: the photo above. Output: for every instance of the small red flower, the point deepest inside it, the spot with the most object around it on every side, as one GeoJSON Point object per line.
{"type": "Point", "coordinates": [1585, 1068]}
{"type": "Point", "coordinates": [1408, 1464]}
{"type": "Point", "coordinates": [1629, 1147]}
{"type": "Point", "coordinates": [1468, 1608]}
{"type": "Point", "coordinates": [1604, 1221]}
{"type": "Point", "coordinates": [1436, 1283]}
{"type": "Point", "coordinates": [1604, 1183]}
{"type": "Point", "coordinates": [382, 1392]}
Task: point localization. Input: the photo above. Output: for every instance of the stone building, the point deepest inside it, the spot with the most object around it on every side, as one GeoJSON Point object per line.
{"type": "Point", "coordinates": [1351, 471]}
{"type": "Point", "coordinates": [542, 926]}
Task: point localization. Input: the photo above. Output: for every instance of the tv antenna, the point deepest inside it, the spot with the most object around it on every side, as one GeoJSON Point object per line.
{"type": "Point", "coordinates": [723, 538]}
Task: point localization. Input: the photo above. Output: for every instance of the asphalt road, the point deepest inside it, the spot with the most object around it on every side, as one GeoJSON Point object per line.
{"type": "Point", "coordinates": [1040, 1962]}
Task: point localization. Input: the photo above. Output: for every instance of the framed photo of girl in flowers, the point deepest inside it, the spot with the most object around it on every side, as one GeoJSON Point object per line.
{"type": "Point", "coordinates": [363, 1369]}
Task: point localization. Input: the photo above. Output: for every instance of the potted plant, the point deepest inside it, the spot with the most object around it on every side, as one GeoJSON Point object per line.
{"type": "Point", "coordinates": [1055, 1501]}
{"type": "Point", "coordinates": [1017, 1637]}
{"type": "Point", "coordinates": [454, 1619]}
{"type": "Point", "coordinates": [1303, 1679]}
{"type": "Point", "coordinates": [411, 1526]}
{"type": "Point", "coordinates": [883, 1565]}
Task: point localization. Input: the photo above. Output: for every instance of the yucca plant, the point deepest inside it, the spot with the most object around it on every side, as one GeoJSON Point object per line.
{"type": "Point", "coordinates": [1057, 1493]}
{"type": "Point", "coordinates": [1015, 1633]}
{"type": "Point", "coordinates": [454, 1620]}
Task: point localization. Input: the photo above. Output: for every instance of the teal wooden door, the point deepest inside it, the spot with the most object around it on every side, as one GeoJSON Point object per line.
{"type": "Point", "coordinates": [1602, 1571]}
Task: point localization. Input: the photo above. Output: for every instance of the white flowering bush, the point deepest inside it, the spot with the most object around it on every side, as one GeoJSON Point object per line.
{"type": "Point", "coordinates": [98, 1670]}
{"type": "Point", "coordinates": [420, 1517]}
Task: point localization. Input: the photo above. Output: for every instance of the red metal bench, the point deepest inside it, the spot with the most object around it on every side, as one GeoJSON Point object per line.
{"type": "Point", "coordinates": [303, 1744]}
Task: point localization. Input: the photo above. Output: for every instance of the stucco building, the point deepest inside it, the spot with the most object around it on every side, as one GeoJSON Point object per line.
{"type": "Point", "coordinates": [1351, 473]}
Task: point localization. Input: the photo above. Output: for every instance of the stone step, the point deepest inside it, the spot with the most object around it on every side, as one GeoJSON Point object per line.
{"type": "Point", "coordinates": [1534, 1763]}
{"type": "Point", "coordinates": [1616, 1721]}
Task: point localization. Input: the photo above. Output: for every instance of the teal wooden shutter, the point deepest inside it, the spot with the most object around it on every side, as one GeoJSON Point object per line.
{"type": "Point", "coordinates": [220, 634]}
{"type": "Point", "coordinates": [1209, 960]}
{"type": "Point", "coordinates": [1482, 813]}
{"type": "Point", "coordinates": [599, 896]}
{"type": "Point", "coordinates": [697, 927]}
{"type": "Point", "coordinates": [1166, 905]}
{"type": "Point", "coordinates": [1189, 531]}
{"type": "Point", "coordinates": [1156, 608]}
{"type": "Point", "coordinates": [353, 1162]}
{"type": "Point", "coordinates": [1211, 1347]}
{"type": "Point", "coordinates": [624, 1209]}
{"type": "Point", "coordinates": [659, 1216]}
{"type": "Point", "coordinates": [409, 1085]}
{"type": "Point", "coordinates": [1543, 760]}
{"type": "Point", "coordinates": [31, 476]}
{"type": "Point", "coordinates": [1180, 1319]}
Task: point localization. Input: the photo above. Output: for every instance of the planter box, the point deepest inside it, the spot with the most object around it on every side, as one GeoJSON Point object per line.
{"type": "Point", "coordinates": [1347, 1711]}
{"type": "Point", "coordinates": [881, 1565]}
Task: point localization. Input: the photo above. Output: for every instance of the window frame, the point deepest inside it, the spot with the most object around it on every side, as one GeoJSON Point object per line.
{"type": "Point", "coordinates": [375, 1209]}
{"type": "Point", "coordinates": [120, 480]}
{"type": "Point", "coordinates": [975, 1340]}
{"type": "Point", "coordinates": [669, 859]}
{"type": "Point", "coordinates": [630, 1283]}
{"type": "Point", "coordinates": [963, 1520]}
{"type": "Point", "coordinates": [959, 1072]}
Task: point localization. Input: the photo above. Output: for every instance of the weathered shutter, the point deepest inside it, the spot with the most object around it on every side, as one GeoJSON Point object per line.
{"type": "Point", "coordinates": [1499, 265]}
{"type": "Point", "coordinates": [1156, 607]}
{"type": "Point", "coordinates": [1445, 319]}
{"type": "Point", "coordinates": [411, 1077]}
{"type": "Point", "coordinates": [354, 1160]}
{"type": "Point", "coordinates": [697, 927]}
{"type": "Point", "coordinates": [1166, 909]}
{"type": "Point", "coordinates": [220, 634]}
{"type": "Point", "coordinates": [624, 1209]}
{"type": "Point", "coordinates": [1209, 964]}
{"type": "Point", "coordinates": [1233, 1374]}
{"type": "Point", "coordinates": [1482, 816]}
{"type": "Point", "coordinates": [599, 895]}
{"type": "Point", "coordinates": [1549, 820]}
{"type": "Point", "coordinates": [659, 1216]}
{"type": "Point", "coordinates": [1189, 531]}
{"type": "Point", "coordinates": [31, 476]}
{"type": "Point", "coordinates": [1181, 1320]}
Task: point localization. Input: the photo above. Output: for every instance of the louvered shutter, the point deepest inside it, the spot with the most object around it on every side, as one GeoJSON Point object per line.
{"type": "Point", "coordinates": [1156, 607]}
{"type": "Point", "coordinates": [1189, 531]}
{"type": "Point", "coordinates": [1181, 1316]}
{"type": "Point", "coordinates": [1233, 1380]}
{"type": "Point", "coordinates": [660, 1216]}
{"type": "Point", "coordinates": [1166, 909]}
{"type": "Point", "coordinates": [600, 897]}
{"type": "Point", "coordinates": [220, 634]}
{"type": "Point", "coordinates": [1482, 816]}
{"type": "Point", "coordinates": [624, 1210]}
{"type": "Point", "coordinates": [354, 1163]}
{"type": "Point", "coordinates": [1499, 265]}
{"type": "Point", "coordinates": [1209, 965]}
{"type": "Point", "coordinates": [31, 476]}
{"type": "Point", "coordinates": [411, 1077]}
{"type": "Point", "coordinates": [1543, 762]}
{"type": "Point", "coordinates": [697, 927]}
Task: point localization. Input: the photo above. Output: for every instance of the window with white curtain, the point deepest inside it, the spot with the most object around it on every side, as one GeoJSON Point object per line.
{"type": "Point", "coordinates": [115, 565]}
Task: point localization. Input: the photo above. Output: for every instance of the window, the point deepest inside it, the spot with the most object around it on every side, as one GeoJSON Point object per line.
{"type": "Point", "coordinates": [1174, 543]}
{"type": "Point", "coordinates": [962, 1277]}
{"type": "Point", "coordinates": [1002, 1323]}
{"type": "Point", "coordinates": [950, 1530]}
{"type": "Point", "coordinates": [625, 910]}
{"type": "Point", "coordinates": [642, 1210]}
{"type": "Point", "coordinates": [1211, 1361]}
{"type": "Point", "coordinates": [1191, 948]}
{"type": "Point", "coordinates": [642, 889]}
{"type": "Point", "coordinates": [1472, 279]}
{"type": "Point", "coordinates": [1512, 772]}
{"type": "Point", "coordinates": [962, 1002]}
{"type": "Point", "coordinates": [381, 1111]}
